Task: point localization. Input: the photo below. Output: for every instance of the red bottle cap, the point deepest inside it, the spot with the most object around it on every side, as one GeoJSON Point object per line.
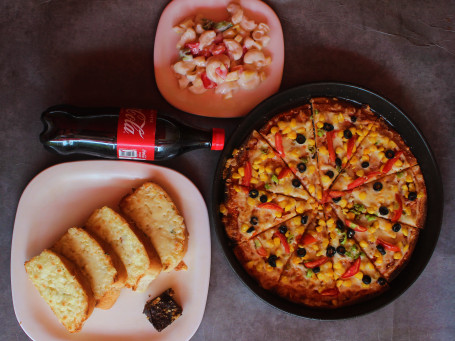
{"type": "Point", "coordinates": [217, 139]}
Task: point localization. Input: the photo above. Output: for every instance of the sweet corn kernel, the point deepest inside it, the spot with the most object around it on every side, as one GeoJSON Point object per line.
{"type": "Point", "coordinates": [278, 214]}
{"type": "Point", "coordinates": [274, 130]}
{"type": "Point", "coordinates": [315, 247]}
{"type": "Point", "coordinates": [330, 222]}
{"type": "Point", "coordinates": [351, 216]}
{"type": "Point", "coordinates": [264, 157]}
{"type": "Point", "coordinates": [276, 241]}
{"type": "Point", "coordinates": [370, 266]}
{"type": "Point", "coordinates": [379, 261]}
{"type": "Point", "coordinates": [398, 163]}
{"type": "Point", "coordinates": [350, 205]}
{"type": "Point", "coordinates": [371, 238]}
{"type": "Point", "coordinates": [278, 170]}
{"type": "Point", "coordinates": [311, 169]}
{"type": "Point", "coordinates": [237, 189]}
{"type": "Point", "coordinates": [405, 248]}
{"type": "Point", "coordinates": [320, 253]}
{"type": "Point", "coordinates": [360, 173]}
{"type": "Point", "coordinates": [358, 275]}
{"type": "Point", "coordinates": [409, 178]}
{"type": "Point", "coordinates": [281, 124]}
{"type": "Point", "coordinates": [289, 207]}
{"type": "Point", "coordinates": [295, 153]}
{"type": "Point", "coordinates": [245, 227]}
{"type": "Point", "coordinates": [337, 265]}
{"type": "Point", "coordinates": [311, 142]}
{"type": "Point", "coordinates": [345, 159]}
{"type": "Point", "coordinates": [325, 179]}
{"type": "Point", "coordinates": [270, 243]}
{"type": "Point", "coordinates": [292, 135]}
{"type": "Point", "coordinates": [362, 195]}
{"type": "Point", "coordinates": [223, 209]}
{"type": "Point", "coordinates": [397, 255]}
{"type": "Point", "coordinates": [241, 171]}
{"type": "Point", "coordinates": [412, 187]}
{"type": "Point", "coordinates": [251, 201]}
{"type": "Point", "coordinates": [296, 260]}
{"type": "Point", "coordinates": [405, 231]}
{"type": "Point", "coordinates": [339, 283]}
{"type": "Point", "coordinates": [279, 263]}
{"type": "Point", "coordinates": [319, 125]}
{"type": "Point", "coordinates": [268, 170]}
{"type": "Point", "coordinates": [311, 189]}
{"type": "Point", "coordinates": [339, 150]}
{"type": "Point", "coordinates": [278, 253]}
{"type": "Point", "coordinates": [323, 151]}
{"type": "Point", "coordinates": [319, 195]}
{"type": "Point", "coordinates": [250, 264]}
{"type": "Point", "coordinates": [254, 181]}
{"type": "Point", "coordinates": [371, 210]}
{"type": "Point", "coordinates": [343, 203]}
{"type": "Point", "coordinates": [319, 228]}
{"type": "Point", "coordinates": [363, 244]}
{"type": "Point", "coordinates": [236, 176]}
{"type": "Point", "coordinates": [263, 177]}
{"type": "Point", "coordinates": [321, 276]}
{"type": "Point", "coordinates": [347, 283]}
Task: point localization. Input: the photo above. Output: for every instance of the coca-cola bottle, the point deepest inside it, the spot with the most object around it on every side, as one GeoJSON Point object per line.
{"type": "Point", "coordinates": [138, 134]}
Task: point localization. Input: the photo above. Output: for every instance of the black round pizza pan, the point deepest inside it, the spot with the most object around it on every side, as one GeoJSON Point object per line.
{"type": "Point", "coordinates": [415, 140]}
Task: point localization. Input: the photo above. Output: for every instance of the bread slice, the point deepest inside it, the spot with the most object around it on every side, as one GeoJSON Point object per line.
{"type": "Point", "coordinates": [95, 263]}
{"type": "Point", "coordinates": [63, 288]}
{"type": "Point", "coordinates": [141, 261]}
{"type": "Point", "coordinates": [153, 211]}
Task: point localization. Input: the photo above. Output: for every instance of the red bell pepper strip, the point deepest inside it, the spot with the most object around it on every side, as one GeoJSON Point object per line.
{"type": "Point", "coordinates": [307, 239]}
{"type": "Point", "coordinates": [357, 182]}
{"type": "Point", "coordinates": [353, 269]}
{"type": "Point", "coordinates": [279, 143]}
{"type": "Point", "coordinates": [271, 206]}
{"type": "Point", "coordinates": [208, 84]}
{"type": "Point", "coordinates": [351, 144]}
{"type": "Point", "coordinates": [399, 211]}
{"type": "Point", "coordinates": [360, 181]}
{"type": "Point", "coordinates": [336, 194]}
{"type": "Point", "coordinates": [354, 226]}
{"type": "Point", "coordinates": [389, 164]}
{"type": "Point", "coordinates": [194, 47]}
{"type": "Point", "coordinates": [222, 73]}
{"type": "Point", "coordinates": [218, 38]}
{"type": "Point", "coordinates": [315, 263]}
{"type": "Point", "coordinates": [205, 53]}
{"type": "Point", "coordinates": [330, 292]}
{"type": "Point", "coordinates": [332, 155]}
{"type": "Point", "coordinates": [387, 245]}
{"type": "Point", "coordinates": [283, 241]}
{"type": "Point", "coordinates": [247, 174]}
{"type": "Point", "coordinates": [261, 252]}
{"type": "Point", "coordinates": [284, 172]}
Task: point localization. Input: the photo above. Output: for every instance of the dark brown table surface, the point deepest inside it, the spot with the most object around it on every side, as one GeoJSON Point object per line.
{"type": "Point", "coordinates": [100, 53]}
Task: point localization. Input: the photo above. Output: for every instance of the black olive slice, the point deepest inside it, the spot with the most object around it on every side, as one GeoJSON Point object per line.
{"type": "Point", "coordinates": [254, 220]}
{"type": "Point", "coordinates": [283, 229]}
{"type": "Point", "coordinates": [377, 186]}
{"type": "Point", "coordinates": [263, 198]}
{"type": "Point", "coordinates": [330, 174]}
{"type": "Point", "coordinates": [301, 167]}
{"type": "Point", "coordinates": [347, 134]}
{"type": "Point", "coordinates": [412, 196]}
{"type": "Point", "coordinates": [396, 227]}
{"type": "Point", "coordinates": [366, 279]}
{"type": "Point", "coordinates": [383, 210]}
{"type": "Point", "coordinates": [390, 154]}
{"type": "Point", "coordinates": [301, 252]}
{"type": "Point", "coordinates": [365, 164]}
{"type": "Point", "coordinates": [295, 183]}
{"type": "Point", "coordinates": [304, 219]}
{"type": "Point", "coordinates": [328, 126]}
{"type": "Point", "coordinates": [254, 193]}
{"type": "Point", "coordinates": [300, 139]}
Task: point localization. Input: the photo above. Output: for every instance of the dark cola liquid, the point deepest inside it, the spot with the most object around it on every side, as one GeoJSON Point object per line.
{"type": "Point", "coordinates": [93, 131]}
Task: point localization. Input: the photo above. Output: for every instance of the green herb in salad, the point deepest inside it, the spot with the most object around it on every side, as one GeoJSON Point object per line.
{"type": "Point", "coordinates": [309, 273]}
{"type": "Point", "coordinates": [222, 26]}
{"type": "Point", "coordinates": [207, 24]}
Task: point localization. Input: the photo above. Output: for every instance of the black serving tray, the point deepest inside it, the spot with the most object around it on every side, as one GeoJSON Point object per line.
{"type": "Point", "coordinates": [414, 139]}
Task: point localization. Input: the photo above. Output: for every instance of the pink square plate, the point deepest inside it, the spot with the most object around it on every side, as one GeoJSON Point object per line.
{"type": "Point", "coordinates": [63, 196]}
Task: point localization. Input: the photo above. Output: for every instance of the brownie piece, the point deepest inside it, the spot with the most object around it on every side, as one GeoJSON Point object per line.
{"type": "Point", "coordinates": [161, 311]}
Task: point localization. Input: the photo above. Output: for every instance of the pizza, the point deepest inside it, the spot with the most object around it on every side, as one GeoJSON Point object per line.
{"type": "Point", "coordinates": [324, 203]}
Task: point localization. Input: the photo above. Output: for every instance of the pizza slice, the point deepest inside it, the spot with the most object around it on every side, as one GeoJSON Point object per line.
{"type": "Point", "coordinates": [355, 275]}
{"type": "Point", "coordinates": [247, 212]}
{"type": "Point", "coordinates": [256, 165]}
{"type": "Point", "coordinates": [388, 245]}
{"type": "Point", "coordinates": [339, 127]}
{"type": "Point", "coordinates": [291, 135]}
{"type": "Point", "coordinates": [399, 197]}
{"type": "Point", "coordinates": [265, 255]}
{"type": "Point", "coordinates": [382, 152]}
{"type": "Point", "coordinates": [308, 278]}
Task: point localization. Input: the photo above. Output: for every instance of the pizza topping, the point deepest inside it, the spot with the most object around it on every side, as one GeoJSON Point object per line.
{"type": "Point", "coordinates": [350, 233]}
{"type": "Point", "coordinates": [304, 219]}
{"type": "Point", "coordinates": [300, 139]}
{"type": "Point", "coordinates": [307, 239]}
{"type": "Point", "coordinates": [352, 270]}
{"type": "Point", "coordinates": [338, 162]}
{"type": "Point", "coordinates": [353, 118]}
{"type": "Point", "coordinates": [381, 249]}
{"type": "Point", "coordinates": [316, 270]}
{"type": "Point", "coordinates": [354, 226]}
{"type": "Point", "coordinates": [247, 174]}
{"type": "Point", "coordinates": [396, 227]}
{"type": "Point", "coordinates": [341, 250]}
{"type": "Point", "coordinates": [351, 144]}
{"type": "Point", "coordinates": [397, 213]}
{"type": "Point", "coordinates": [327, 126]}
{"type": "Point", "coordinates": [272, 260]}
{"type": "Point", "coordinates": [381, 281]}
{"type": "Point", "coordinates": [283, 173]}
{"type": "Point", "coordinates": [260, 249]}
{"type": "Point", "coordinates": [332, 155]}
{"type": "Point", "coordinates": [301, 167]}
{"type": "Point", "coordinates": [412, 196]}
{"type": "Point", "coordinates": [271, 206]}
{"type": "Point", "coordinates": [330, 174]}
{"type": "Point", "coordinates": [389, 154]}
{"type": "Point", "coordinates": [388, 246]}
{"type": "Point", "coordinates": [301, 252]}
{"type": "Point", "coordinates": [388, 166]}
{"type": "Point", "coordinates": [263, 198]}
{"type": "Point", "coordinates": [250, 230]}
{"type": "Point", "coordinates": [315, 263]}
{"type": "Point", "coordinates": [330, 292]}
{"type": "Point", "coordinates": [383, 210]}
{"type": "Point", "coordinates": [330, 251]}
{"type": "Point", "coordinates": [295, 183]}
{"type": "Point", "coordinates": [347, 134]}
{"type": "Point", "coordinates": [366, 279]}
{"type": "Point", "coordinates": [340, 225]}
{"type": "Point", "coordinates": [279, 143]}
{"type": "Point", "coordinates": [254, 220]}
{"type": "Point", "coordinates": [337, 199]}
{"type": "Point", "coordinates": [253, 193]}
{"type": "Point", "coordinates": [365, 164]}
{"type": "Point", "coordinates": [377, 186]}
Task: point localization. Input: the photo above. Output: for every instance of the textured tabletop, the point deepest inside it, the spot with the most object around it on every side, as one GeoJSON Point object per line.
{"type": "Point", "coordinates": [100, 53]}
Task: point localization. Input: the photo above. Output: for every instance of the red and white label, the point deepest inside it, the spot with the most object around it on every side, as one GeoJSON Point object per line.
{"type": "Point", "coordinates": [136, 134]}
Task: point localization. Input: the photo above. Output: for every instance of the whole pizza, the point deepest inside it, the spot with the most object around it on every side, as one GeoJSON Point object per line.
{"type": "Point", "coordinates": [324, 203]}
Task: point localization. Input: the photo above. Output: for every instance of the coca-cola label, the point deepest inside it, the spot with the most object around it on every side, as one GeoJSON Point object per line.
{"type": "Point", "coordinates": [136, 134]}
